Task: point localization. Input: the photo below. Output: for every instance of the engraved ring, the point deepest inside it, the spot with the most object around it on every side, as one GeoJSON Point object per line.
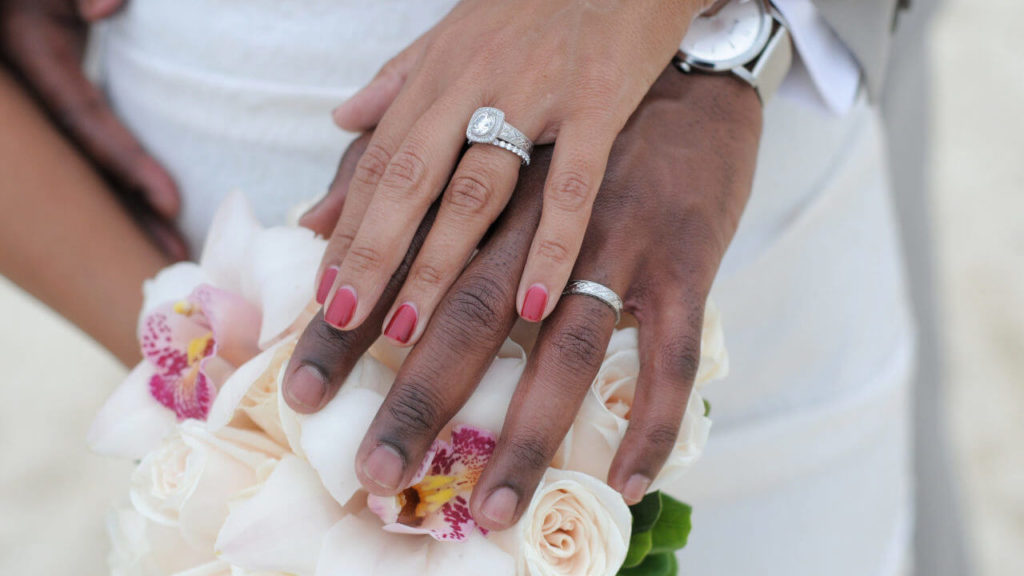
{"type": "Point", "coordinates": [488, 126]}
{"type": "Point", "coordinates": [597, 291]}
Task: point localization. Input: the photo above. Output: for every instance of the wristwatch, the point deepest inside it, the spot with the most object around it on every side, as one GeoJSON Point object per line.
{"type": "Point", "coordinates": [746, 38]}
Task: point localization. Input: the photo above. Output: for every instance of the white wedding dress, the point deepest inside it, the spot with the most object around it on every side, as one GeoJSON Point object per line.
{"type": "Point", "coordinates": [807, 469]}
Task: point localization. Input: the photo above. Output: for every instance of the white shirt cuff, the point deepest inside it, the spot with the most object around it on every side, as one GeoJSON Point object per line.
{"type": "Point", "coordinates": [825, 73]}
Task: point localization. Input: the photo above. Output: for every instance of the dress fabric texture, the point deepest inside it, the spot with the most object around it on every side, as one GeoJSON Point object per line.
{"type": "Point", "coordinates": [807, 469]}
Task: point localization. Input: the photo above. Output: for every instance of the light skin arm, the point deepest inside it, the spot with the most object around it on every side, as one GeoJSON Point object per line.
{"type": "Point", "coordinates": [63, 236]}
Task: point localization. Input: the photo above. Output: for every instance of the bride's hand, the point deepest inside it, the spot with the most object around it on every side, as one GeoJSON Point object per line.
{"type": "Point", "coordinates": [678, 180]}
{"type": "Point", "coordinates": [570, 70]}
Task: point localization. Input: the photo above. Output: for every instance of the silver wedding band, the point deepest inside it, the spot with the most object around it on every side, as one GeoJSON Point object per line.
{"type": "Point", "coordinates": [488, 126]}
{"type": "Point", "coordinates": [598, 292]}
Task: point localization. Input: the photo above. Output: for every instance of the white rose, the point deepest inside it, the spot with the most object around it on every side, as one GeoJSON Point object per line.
{"type": "Point", "coordinates": [187, 481]}
{"type": "Point", "coordinates": [575, 526]}
{"type": "Point", "coordinates": [604, 415]}
{"type": "Point", "coordinates": [140, 547]}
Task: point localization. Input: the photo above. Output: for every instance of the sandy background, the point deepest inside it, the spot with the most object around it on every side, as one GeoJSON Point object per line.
{"type": "Point", "coordinates": [54, 493]}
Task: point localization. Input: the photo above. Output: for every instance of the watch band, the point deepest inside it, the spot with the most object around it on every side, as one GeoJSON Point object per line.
{"type": "Point", "coordinates": [766, 73]}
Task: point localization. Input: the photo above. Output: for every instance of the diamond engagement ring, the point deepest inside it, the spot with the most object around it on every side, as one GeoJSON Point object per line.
{"type": "Point", "coordinates": [596, 291]}
{"type": "Point", "coordinates": [488, 126]}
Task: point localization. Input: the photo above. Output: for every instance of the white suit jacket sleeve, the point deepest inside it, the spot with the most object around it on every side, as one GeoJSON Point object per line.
{"type": "Point", "coordinates": [825, 74]}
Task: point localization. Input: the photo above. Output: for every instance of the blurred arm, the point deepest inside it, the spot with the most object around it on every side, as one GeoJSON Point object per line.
{"type": "Point", "coordinates": [63, 237]}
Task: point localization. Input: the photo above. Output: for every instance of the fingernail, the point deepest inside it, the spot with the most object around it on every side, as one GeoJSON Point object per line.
{"type": "Point", "coordinates": [636, 487]}
{"type": "Point", "coordinates": [384, 467]}
{"type": "Point", "coordinates": [500, 506]}
{"type": "Point", "coordinates": [534, 303]}
{"type": "Point", "coordinates": [325, 284]}
{"type": "Point", "coordinates": [306, 387]}
{"type": "Point", "coordinates": [402, 324]}
{"type": "Point", "coordinates": [339, 313]}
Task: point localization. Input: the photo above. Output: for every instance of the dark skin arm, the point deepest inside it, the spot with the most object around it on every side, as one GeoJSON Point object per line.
{"type": "Point", "coordinates": [678, 179]}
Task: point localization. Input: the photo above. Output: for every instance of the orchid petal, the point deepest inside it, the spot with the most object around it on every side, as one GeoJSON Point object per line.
{"type": "Point", "coordinates": [476, 555]}
{"type": "Point", "coordinates": [331, 437]}
{"type": "Point", "coordinates": [282, 263]}
{"type": "Point", "coordinates": [282, 526]}
{"type": "Point", "coordinates": [227, 242]}
{"type": "Point", "coordinates": [131, 422]}
{"type": "Point", "coordinates": [233, 321]}
{"type": "Point", "coordinates": [356, 545]}
{"type": "Point", "coordinates": [171, 284]}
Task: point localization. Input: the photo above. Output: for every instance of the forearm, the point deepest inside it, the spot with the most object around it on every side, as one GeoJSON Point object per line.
{"type": "Point", "coordinates": [63, 236]}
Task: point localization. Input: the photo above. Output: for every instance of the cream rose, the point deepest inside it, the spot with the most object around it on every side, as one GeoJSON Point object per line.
{"type": "Point", "coordinates": [575, 526]}
{"type": "Point", "coordinates": [606, 410]}
{"type": "Point", "coordinates": [187, 481]}
{"type": "Point", "coordinates": [140, 547]}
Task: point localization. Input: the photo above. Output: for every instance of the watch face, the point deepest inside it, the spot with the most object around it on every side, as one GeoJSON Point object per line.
{"type": "Point", "coordinates": [731, 36]}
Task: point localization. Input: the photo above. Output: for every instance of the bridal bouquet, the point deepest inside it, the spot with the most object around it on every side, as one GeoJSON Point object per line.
{"type": "Point", "coordinates": [232, 482]}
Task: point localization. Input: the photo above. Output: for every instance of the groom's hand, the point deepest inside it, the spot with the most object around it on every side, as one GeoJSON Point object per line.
{"type": "Point", "coordinates": [44, 42]}
{"type": "Point", "coordinates": [677, 182]}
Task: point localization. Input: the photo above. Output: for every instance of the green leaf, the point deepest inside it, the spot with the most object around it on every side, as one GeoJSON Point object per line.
{"type": "Point", "coordinates": [707, 407]}
{"type": "Point", "coordinates": [639, 547]}
{"type": "Point", "coordinates": [654, 565]}
{"type": "Point", "coordinates": [672, 528]}
{"type": "Point", "coordinates": [646, 512]}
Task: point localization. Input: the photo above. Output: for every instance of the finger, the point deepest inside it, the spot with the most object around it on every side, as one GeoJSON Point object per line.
{"type": "Point", "coordinates": [577, 170]}
{"type": "Point", "coordinates": [324, 356]}
{"type": "Point", "coordinates": [323, 216]}
{"type": "Point", "coordinates": [564, 362]}
{"type": "Point", "coordinates": [369, 169]}
{"type": "Point", "coordinates": [54, 70]}
{"type": "Point", "coordinates": [457, 348]}
{"type": "Point", "coordinates": [669, 356]}
{"type": "Point", "coordinates": [366, 107]}
{"type": "Point", "coordinates": [475, 196]}
{"type": "Point", "coordinates": [92, 10]}
{"type": "Point", "coordinates": [411, 182]}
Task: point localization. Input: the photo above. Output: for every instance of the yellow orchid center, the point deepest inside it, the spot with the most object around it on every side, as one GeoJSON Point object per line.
{"type": "Point", "coordinates": [198, 347]}
{"type": "Point", "coordinates": [184, 307]}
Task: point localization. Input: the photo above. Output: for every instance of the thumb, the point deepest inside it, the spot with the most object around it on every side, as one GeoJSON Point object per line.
{"type": "Point", "coordinates": [92, 10]}
{"type": "Point", "coordinates": [366, 107]}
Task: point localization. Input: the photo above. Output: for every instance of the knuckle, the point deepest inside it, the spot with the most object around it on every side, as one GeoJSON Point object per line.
{"type": "Point", "coordinates": [573, 191]}
{"type": "Point", "coordinates": [580, 345]}
{"type": "Point", "coordinates": [680, 360]}
{"type": "Point", "coordinates": [428, 275]}
{"type": "Point", "coordinates": [660, 437]}
{"type": "Point", "coordinates": [415, 407]}
{"type": "Point", "coordinates": [529, 450]}
{"type": "Point", "coordinates": [476, 310]}
{"type": "Point", "coordinates": [407, 170]}
{"type": "Point", "coordinates": [553, 250]}
{"type": "Point", "coordinates": [364, 259]}
{"type": "Point", "coordinates": [372, 165]}
{"type": "Point", "coordinates": [469, 194]}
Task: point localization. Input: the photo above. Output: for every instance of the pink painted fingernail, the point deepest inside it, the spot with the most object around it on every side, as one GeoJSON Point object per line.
{"type": "Point", "coordinates": [635, 489]}
{"type": "Point", "coordinates": [384, 466]}
{"type": "Point", "coordinates": [534, 303]}
{"type": "Point", "coordinates": [500, 506]}
{"type": "Point", "coordinates": [325, 284]}
{"type": "Point", "coordinates": [341, 309]}
{"type": "Point", "coordinates": [402, 324]}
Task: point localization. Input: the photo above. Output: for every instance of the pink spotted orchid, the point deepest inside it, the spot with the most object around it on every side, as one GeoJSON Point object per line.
{"type": "Point", "coordinates": [194, 344]}
{"type": "Point", "coordinates": [437, 503]}
{"type": "Point", "coordinates": [202, 321]}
